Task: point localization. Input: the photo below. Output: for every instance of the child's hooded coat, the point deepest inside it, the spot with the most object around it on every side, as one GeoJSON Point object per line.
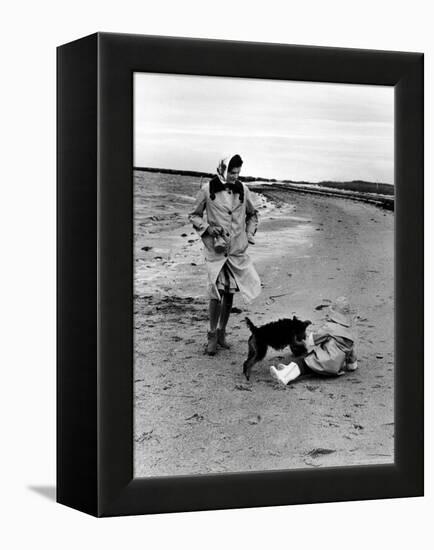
{"type": "Point", "coordinates": [333, 349]}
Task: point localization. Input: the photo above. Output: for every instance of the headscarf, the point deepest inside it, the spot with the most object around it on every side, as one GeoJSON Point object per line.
{"type": "Point", "coordinates": [218, 183]}
{"type": "Point", "coordinates": [222, 168]}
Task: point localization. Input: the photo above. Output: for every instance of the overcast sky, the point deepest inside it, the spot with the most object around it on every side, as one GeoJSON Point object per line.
{"type": "Point", "coordinates": [282, 129]}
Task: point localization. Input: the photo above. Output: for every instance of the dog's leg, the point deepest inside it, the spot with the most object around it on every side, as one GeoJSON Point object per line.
{"type": "Point", "coordinates": [251, 358]}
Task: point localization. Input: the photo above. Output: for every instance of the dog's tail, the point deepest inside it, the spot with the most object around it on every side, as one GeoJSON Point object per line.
{"type": "Point", "coordinates": [251, 325]}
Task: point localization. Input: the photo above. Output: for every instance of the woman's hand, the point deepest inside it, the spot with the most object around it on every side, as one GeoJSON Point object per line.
{"type": "Point", "coordinates": [214, 230]}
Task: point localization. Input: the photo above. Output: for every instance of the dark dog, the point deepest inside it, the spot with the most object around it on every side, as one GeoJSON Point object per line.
{"type": "Point", "coordinates": [278, 335]}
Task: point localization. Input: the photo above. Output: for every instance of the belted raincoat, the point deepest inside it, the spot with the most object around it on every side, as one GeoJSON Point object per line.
{"type": "Point", "coordinates": [238, 217]}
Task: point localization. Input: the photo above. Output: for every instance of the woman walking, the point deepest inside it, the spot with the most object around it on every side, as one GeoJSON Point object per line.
{"type": "Point", "coordinates": [230, 225]}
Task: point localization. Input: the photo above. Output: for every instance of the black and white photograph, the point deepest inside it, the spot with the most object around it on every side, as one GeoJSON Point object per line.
{"type": "Point", "coordinates": [263, 275]}
{"type": "Point", "coordinates": [216, 292]}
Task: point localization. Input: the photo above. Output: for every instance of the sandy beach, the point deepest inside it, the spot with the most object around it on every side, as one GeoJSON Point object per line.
{"type": "Point", "coordinates": [196, 414]}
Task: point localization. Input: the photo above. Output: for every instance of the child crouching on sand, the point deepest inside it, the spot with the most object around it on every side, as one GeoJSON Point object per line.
{"type": "Point", "coordinates": [330, 351]}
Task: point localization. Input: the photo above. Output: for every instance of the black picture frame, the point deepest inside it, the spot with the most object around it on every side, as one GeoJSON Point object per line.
{"type": "Point", "coordinates": [95, 274]}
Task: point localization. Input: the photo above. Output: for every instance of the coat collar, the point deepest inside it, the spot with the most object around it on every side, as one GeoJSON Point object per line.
{"type": "Point", "coordinates": [215, 186]}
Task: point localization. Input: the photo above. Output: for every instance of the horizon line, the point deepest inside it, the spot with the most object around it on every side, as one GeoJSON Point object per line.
{"type": "Point", "coordinates": [252, 178]}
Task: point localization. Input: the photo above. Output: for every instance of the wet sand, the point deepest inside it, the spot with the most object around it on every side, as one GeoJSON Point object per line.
{"type": "Point", "coordinates": [196, 414]}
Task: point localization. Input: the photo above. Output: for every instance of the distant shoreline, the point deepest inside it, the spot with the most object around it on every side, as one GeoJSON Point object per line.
{"type": "Point", "coordinates": [355, 185]}
{"type": "Point", "coordinates": [271, 192]}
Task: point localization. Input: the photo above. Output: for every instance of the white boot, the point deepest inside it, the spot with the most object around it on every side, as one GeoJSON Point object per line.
{"type": "Point", "coordinates": [286, 373]}
{"type": "Point", "coordinates": [352, 366]}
